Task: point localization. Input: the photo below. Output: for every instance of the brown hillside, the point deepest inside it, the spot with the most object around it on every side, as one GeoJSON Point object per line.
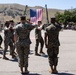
{"type": "Point", "coordinates": [14, 11]}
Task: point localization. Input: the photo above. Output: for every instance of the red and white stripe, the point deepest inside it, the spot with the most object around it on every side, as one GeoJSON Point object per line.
{"type": "Point", "coordinates": [38, 17]}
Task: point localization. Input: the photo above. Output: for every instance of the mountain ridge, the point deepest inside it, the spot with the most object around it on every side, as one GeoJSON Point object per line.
{"type": "Point", "coordinates": [14, 11]}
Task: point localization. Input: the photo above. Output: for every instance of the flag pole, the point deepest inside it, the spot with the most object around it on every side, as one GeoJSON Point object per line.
{"type": "Point", "coordinates": [47, 15]}
{"type": "Point", "coordinates": [25, 10]}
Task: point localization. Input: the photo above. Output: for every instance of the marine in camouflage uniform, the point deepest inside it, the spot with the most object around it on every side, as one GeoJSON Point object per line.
{"type": "Point", "coordinates": [39, 39]}
{"type": "Point", "coordinates": [7, 40]}
{"type": "Point", "coordinates": [11, 24]}
{"type": "Point", "coordinates": [22, 43]}
{"type": "Point", "coordinates": [52, 44]}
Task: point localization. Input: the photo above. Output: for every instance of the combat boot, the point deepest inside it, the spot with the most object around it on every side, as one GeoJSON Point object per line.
{"type": "Point", "coordinates": [26, 71]}
{"type": "Point", "coordinates": [13, 56]}
{"type": "Point", "coordinates": [41, 51]}
{"type": "Point", "coordinates": [51, 70]}
{"type": "Point", "coordinates": [37, 54]}
{"type": "Point", "coordinates": [36, 51]}
{"type": "Point", "coordinates": [55, 70]}
{"type": "Point", "coordinates": [21, 68]}
{"type": "Point", "coordinates": [4, 57]}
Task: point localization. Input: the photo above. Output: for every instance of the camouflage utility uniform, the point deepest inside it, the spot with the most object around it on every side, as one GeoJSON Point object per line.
{"type": "Point", "coordinates": [12, 34]}
{"type": "Point", "coordinates": [7, 42]}
{"type": "Point", "coordinates": [39, 39]}
{"type": "Point", "coordinates": [52, 32]}
{"type": "Point", "coordinates": [23, 43]}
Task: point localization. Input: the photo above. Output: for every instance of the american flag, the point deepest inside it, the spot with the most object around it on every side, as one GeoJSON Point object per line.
{"type": "Point", "coordinates": [36, 15]}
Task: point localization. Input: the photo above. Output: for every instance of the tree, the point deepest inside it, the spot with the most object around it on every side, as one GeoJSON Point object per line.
{"type": "Point", "coordinates": [67, 16]}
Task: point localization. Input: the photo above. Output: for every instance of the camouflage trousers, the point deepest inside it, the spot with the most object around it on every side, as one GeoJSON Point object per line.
{"type": "Point", "coordinates": [23, 53]}
{"type": "Point", "coordinates": [8, 42]}
{"type": "Point", "coordinates": [41, 41]}
{"type": "Point", "coordinates": [52, 55]}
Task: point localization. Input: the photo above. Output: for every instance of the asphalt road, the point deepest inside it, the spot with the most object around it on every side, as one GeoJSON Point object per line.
{"type": "Point", "coordinates": [38, 65]}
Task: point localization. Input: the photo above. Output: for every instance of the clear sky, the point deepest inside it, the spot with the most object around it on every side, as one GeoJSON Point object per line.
{"type": "Point", "coordinates": [57, 4]}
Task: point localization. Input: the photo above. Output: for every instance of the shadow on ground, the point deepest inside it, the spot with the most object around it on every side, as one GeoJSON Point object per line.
{"type": "Point", "coordinates": [32, 74]}
{"type": "Point", "coordinates": [14, 60]}
{"type": "Point", "coordinates": [65, 74]}
{"type": "Point", "coordinates": [45, 55]}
